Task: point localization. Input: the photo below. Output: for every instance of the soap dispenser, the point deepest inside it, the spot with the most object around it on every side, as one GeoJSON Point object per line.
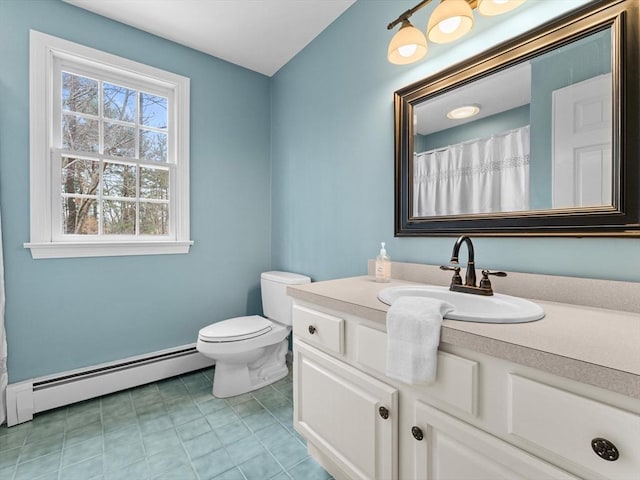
{"type": "Point", "coordinates": [383, 265]}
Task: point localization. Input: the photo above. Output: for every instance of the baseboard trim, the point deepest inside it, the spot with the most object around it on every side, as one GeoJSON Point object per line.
{"type": "Point", "coordinates": [24, 399]}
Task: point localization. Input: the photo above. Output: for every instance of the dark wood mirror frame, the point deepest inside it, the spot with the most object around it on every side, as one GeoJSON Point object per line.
{"type": "Point", "coordinates": [620, 219]}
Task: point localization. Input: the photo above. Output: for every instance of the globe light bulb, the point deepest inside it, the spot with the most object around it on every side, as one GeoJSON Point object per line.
{"type": "Point", "coordinates": [407, 50]}
{"type": "Point", "coordinates": [408, 45]}
{"type": "Point", "coordinates": [449, 25]}
{"type": "Point", "coordinates": [450, 20]}
{"type": "Point", "coordinates": [490, 8]}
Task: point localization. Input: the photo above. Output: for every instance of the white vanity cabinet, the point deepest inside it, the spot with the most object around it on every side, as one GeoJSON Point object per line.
{"type": "Point", "coordinates": [484, 417]}
{"type": "Point", "coordinates": [346, 416]}
{"type": "Point", "coordinates": [447, 448]}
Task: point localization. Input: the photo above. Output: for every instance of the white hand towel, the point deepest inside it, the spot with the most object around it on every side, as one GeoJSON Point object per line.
{"type": "Point", "coordinates": [413, 335]}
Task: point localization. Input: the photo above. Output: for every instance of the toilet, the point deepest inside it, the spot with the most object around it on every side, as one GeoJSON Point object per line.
{"type": "Point", "coordinates": [250, 351]}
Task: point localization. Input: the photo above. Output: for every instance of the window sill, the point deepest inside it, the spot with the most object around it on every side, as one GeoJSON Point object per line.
{"type": "Point", "coordinates": [106, 249]}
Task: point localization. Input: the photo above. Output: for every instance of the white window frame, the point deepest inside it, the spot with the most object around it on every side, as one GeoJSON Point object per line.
{"type": "Point", "coordinates": [47, 54]}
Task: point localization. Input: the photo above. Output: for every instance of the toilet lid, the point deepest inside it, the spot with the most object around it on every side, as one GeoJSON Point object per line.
{"type": "Point", "coordinates": [234, 329]}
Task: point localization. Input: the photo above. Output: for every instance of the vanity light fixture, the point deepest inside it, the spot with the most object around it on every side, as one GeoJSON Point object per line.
{"type": "Point", "coordinates": [464, 112]}
{"type": "Point", "coordinates": [490, 8]}
{"type": "Point", "coordinates": [450, 20]}
{"type": "Point", "coordinates": [408, 45]}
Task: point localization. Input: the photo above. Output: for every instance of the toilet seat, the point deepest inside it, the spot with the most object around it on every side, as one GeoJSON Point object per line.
{"type": "Point", "coordinates": [235, 329]}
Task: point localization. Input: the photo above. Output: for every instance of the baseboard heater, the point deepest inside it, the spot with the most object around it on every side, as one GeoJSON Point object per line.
{"type": "Point", "coordinates": [26, 398]}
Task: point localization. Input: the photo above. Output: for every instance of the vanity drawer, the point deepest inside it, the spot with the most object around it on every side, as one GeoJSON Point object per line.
{"type": "Point", "coordinates": [456, 378]}
{"type": "Point", "coordinates": [565, 424]}
{"type": "Point", "coordinates": [317, 328]}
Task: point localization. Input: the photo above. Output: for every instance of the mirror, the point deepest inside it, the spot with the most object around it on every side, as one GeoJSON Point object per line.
{"type": "Point", "coordinates": [537, 136]}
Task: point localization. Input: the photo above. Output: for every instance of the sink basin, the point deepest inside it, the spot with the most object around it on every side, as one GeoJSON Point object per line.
{"type": "Point", "coordinates": [468, 307]}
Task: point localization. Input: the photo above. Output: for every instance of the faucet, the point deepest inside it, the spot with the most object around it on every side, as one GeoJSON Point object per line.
{"type": "Point", "coordinates": [470, 278]}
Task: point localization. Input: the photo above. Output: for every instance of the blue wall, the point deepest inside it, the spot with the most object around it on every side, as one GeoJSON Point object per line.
{"type": "Point", "coordinates": [67, 313]}
{"type": "Point", "coordinates": [333, 200]}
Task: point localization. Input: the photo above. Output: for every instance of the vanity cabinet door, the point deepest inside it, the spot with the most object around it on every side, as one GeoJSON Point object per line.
{"type": "Point", "coordinates": [449, 449]}
{"type": "Point", "coordinates": [565, 425]}
{"type": "Point", "coordinates": [347, 415]}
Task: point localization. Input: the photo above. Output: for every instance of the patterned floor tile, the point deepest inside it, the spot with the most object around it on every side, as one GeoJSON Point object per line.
{"type": "Point", "coordinates": [213, 465]}
{"type": "Point", "coordinates": [82, 451]}
{"type": "Point", "coordinates": [173, 429]}
{"type": "Point", "coordinates": [202, 445]}
{"type": "Point", "coordinates": [245, 450]}
{"type": "Point", "coordinates": [193, 429]}
{"type": "Point", "coordinates": [308, 470]}
{"type": "Point", "coordinates": [261, 467]}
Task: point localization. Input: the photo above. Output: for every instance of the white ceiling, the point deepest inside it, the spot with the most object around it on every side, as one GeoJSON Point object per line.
{"type": "Point", "coordinates": [261, 35]}
{"type": "Point", "coordinates": [496, 93]}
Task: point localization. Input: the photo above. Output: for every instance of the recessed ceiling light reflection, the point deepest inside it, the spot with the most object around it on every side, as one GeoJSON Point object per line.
{"type": "Point", "coordinates": [463, 112]}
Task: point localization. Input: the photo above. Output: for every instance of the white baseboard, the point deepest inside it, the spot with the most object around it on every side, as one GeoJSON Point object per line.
{"type": "Point", "coordinates": [26, 398]}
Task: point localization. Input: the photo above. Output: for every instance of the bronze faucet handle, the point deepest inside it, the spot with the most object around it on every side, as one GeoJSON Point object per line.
{"type": "Point", "coordinates": [486, 273]}
{"type": "Point", "coordinates": [485, 283]}
{"type": "Point", "coordinates": [457, 279]}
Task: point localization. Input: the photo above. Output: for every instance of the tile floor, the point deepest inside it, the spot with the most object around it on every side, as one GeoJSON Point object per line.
{"type": "Point", "coordinates": [173, 429]}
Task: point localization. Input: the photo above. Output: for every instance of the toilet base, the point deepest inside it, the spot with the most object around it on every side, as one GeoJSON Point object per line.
{"type": "Point", "coordinates": [231, 379]}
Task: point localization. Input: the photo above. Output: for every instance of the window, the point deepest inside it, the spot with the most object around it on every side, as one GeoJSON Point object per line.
{"type": "Point", "coordinates": [109, 154]}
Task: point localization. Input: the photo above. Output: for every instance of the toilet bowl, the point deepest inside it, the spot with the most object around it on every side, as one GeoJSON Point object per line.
{"type": "Point", "coordinates": [250, 351]}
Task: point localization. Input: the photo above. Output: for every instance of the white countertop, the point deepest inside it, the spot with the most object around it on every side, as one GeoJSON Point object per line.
{"type": "Point", "coordinates": [592, 345]}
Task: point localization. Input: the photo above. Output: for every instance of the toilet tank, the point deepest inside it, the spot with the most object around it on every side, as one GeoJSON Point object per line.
{"type": "Point", "coordinates": [276, 305]}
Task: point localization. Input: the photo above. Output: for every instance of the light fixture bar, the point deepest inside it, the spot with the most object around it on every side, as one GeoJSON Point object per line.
{"type": "Point", "coordinates": [411, 11]}
{"type": "Point", "coordinates": [449, 21]}
{"type": "Point", "coordinates": [408, 13]}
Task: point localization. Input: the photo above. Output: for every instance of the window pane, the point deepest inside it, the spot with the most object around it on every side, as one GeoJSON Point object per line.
{"type": "Point", "coordinates": [119, 180]}
{"type": "Point", "coordinates": [153, 110]}
{"type": "Point", "coordinates": [80, 216]}
{"type": "Point", "coordinates": [119, 103]}
{"type": "Point", "coordinates": [154, 218]}
{"type": "Point", "coordinates": [153, 146]}
{"type": "Point", "coordinates": [79, 94]}
{"type": "Point", "coordinates": [119, 141]}
{"type": "Point", "coordinates": [80, 176]}
{"type": "Point", "coordinates": [154, 183]}
{"type": "Point", "coordinates": [79, 134]}
{"type": "Point", "coordinates": [119, 217]}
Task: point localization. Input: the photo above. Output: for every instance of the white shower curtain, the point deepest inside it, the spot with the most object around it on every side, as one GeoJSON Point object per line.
{"type": "Point", "coordinates": [4, 377]}
{"type": "Point", "coordinates": [486, 175]}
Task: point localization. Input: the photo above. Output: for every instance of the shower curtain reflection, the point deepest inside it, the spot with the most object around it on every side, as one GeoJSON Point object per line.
{"type": "Point", "coordinates": [486, 175]}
